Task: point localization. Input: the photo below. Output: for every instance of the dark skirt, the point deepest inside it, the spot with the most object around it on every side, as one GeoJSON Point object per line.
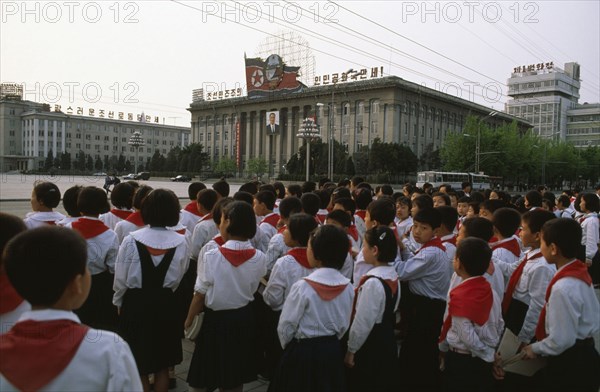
{"type": "Point", "coordinates": [224, 356]}
{"type": "Point", "coordinates": [465, 373]}
{"type": "Point", "coordinates": [576, 369]}
{"type": "Point", "coordinates": [185, 292]}
{"type": "Point", "coordinates": [315, 365]}
{"type": "Point", "coordinates": [98, 310]}
{"type": "Point", "coordinates": [150, 324]}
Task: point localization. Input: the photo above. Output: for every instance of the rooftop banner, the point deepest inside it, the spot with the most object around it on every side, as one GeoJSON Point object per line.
{"type": "Point", "coordinates": [271, 77]}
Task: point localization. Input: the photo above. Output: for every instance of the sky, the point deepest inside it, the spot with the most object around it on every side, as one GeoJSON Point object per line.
{"type": "Point", "coordinates": [148, 56]}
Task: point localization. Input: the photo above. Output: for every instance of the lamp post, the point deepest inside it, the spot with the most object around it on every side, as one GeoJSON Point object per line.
{"type": "Point", "coordinates": [136, 142]}
{"type": "Point", "coordinates": [308, 131]}
{"type": "Point", "coordinates": [478, 143]}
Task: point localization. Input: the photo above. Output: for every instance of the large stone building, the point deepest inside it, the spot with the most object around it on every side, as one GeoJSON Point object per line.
{"type": "Point", "coordinates": [30, 130]}
{"type": "Point", "coordinates": [388, 108]}
{"type": "Point", "coordinates": [583, 125]}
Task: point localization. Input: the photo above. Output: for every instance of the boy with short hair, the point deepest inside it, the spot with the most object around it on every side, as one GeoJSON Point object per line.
{"type": "Point", "coordinates": [440, 199]}
{"type": "Point", "coordinates": [507, 248]}
{"type": "Point", "coordinates": [446, 234]}
{"type": "Point", "coordinates": [473, 322]}
{"type": "Point", "coordinates": [264, 202]}
{"type": "Point", "coordinates": [462, 208]}
{"type": "Point", "coordinates": [569, 319]}
{"type": "Point", "coordinates": [362, 197]}
{"type": "Point", "coordinates": [343, 220]}
{"type": "Point", "coordinates": [205, 228]}
{"type": "Point", "coordinates": [277, 247]}
{"type": "Point", "coordinates": [67, 355]}
{"type": "Point", "coordinates": [189, 214]}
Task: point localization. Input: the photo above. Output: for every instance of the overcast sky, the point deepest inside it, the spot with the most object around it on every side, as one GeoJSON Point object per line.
{"type": "Point", "coordinates": [157, 52]}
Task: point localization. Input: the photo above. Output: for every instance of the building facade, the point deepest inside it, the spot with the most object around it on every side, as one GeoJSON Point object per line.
{"type": "Point", "coordinates": [583, 125]}
{"type": "Point", "coordinates": [29, 131]}
{"type": "Point", "coordinates": [353, 113]}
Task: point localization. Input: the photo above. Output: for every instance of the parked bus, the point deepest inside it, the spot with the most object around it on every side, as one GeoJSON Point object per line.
{"type": "Point", "coordinates": [454, 179]}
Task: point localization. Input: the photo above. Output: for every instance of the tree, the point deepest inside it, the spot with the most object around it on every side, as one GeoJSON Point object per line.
{"type": "Point", "coordinates": [80, 161]}
{"type": "Point", "coordinates": [90, 163]}
{"type": "Point", "coordinates": [49, 160]}
{"type": "Point", "coordinates": [430, 158]}
{"type": "Point", "coordinates": [349, 167]}
{"type": "Point", "coordinates": [127, 166]}
{"type": "Point", "coordinates": [225, 166]}
{"type": "Point", "coordinates": [106, 163]}
{"type": "Point", "coordinates": [172, 159]}
{"type": "Point", "coordinates": [257, 166]}
{"type": "Point", "coordinates": [98, 165]}
{"type": "Point", "coordinates": [121, 163]}
{"type": "Point", "coordinates": [65, 161]}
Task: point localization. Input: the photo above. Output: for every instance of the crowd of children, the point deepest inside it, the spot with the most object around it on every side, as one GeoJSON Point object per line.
{"type": "Point", "coordinates": [315, 287]}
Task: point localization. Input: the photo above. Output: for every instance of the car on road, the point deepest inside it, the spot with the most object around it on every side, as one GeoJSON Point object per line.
{"type": "Point", "coordinates": [140, 176]}
{"type": "Point", "coordinates": [99, 174]}
{"type": "Point", "coordinates": [181, 178]}
{"type": "Point", "coordinates": [130, 176]}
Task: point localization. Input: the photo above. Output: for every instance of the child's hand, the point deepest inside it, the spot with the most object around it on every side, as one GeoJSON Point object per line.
{"type": "Point", "coordinates": [118, 310]}
{"type": "Point", "coordinates": [529, 354]}
{"type": "Point", "coordinates": [442, 360]}
{"type": "Point", "coordinates": [188, 323]}
{"type": "Point", "coordinates": [349, 359]}
{"type": "Point", "coordinates": [497, 370]}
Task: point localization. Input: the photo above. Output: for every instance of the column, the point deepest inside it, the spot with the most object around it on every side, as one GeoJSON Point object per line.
{"type": "Point", "coordinates": [258, 131]}
{"type": "Point", "coordinates": [63, 143]}
{"type": "Point", "coordinates": [36, 129]}
{"type": "Point", "coordinates": [54, 132]}
{"type": "Point", "coordinates": [45, 138]}
{"type": "Point", "coordinates": [248, 137]}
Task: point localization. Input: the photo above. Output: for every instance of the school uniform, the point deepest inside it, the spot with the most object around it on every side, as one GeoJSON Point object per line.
{"type": "Point", "coordinates": [67, 219]}
{"type": "Point", "coordinates": [315, 316]}
{"type": "Point", "coordinates": [506, 251]}
{"type": "Point", "coordinates": [359, 221]}
{"type": "Point", "coordinates": [132, 223]}
{"type": "Point", "coordinates": [426, 273]}
{"type": "Point", "coordinates": [269, 224]}
{"type": "Point", "coordinates": [565, 331]}
{"type": "Point", "coordinates": [150, 266]}
{"type": "Point", "coordinates": [98, 310]}
{"type": "Point", "coordinates": [361, 268]}
{"type": "Point", "coordinates": [322, 215]}
{"type": "Point", "coordinates": [12, 305]}
{"type": "Point", "coordinates": [260, 241]}
{"type": "Point", "coordinates": [190, 215]}
{"type": "Point", "coordinates": [68, 356]}
{"type": "Point", "coordinates": [449, 242]}
{"type": "Point", "coordinates": [469, 336]}
{"type": "Point", "coordinates": [371, 337]}
{"type": "Point", "coordinates": [404, 226]}
{"type": "Point", "coordinates": [204, 230]}
{"type": "Point", "coordinates": [354, 238]}
{"type": "Point", "coordinates": [228, 276]}
{"type": "Point", "coordinates": [590, 231]}
{"type": "Point", "coordinates": [40, 219]}
{"type": "Point", "coordinates": [277, 248]}
{"type": "Point", "coordinates": [114, 216]}
{"type": "Point", "coordinates": [286, 271]}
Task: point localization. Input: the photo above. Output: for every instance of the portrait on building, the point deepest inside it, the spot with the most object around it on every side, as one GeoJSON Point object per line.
{"type": "Point", "coordinates": [272, 122]}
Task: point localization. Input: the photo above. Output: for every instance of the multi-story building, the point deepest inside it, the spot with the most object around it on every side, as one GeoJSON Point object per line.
{"type": "Point", "coordinates": [583, 125]}
{"type": "Point", "coordinates": [389, 108]}
{"type": "Point", "coordinates": [29, 131]}
{"type": "Point", "coordinates": [542, 94]}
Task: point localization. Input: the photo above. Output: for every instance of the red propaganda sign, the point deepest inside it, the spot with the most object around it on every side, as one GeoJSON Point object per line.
{"type": "Point", "coordinates": [265, 77]}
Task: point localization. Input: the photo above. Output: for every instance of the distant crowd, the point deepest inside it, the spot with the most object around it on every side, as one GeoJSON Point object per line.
{"type": "Point", "coordinates": [313, 287]}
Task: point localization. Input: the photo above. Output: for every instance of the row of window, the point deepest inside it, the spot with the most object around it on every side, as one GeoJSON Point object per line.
{"type": "Point", "coordinates": [110, 128]}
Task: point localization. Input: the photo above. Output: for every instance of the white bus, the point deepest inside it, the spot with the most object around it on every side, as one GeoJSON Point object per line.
{"type": "Point", "coordinates": [454, 179]}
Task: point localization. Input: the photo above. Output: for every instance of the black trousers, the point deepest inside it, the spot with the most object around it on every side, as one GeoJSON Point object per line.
{"type": "Point", "coordinates": [465, 373]}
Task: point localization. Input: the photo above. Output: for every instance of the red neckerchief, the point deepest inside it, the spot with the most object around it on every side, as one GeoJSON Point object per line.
{"type": "Point", "coordinates": [576, 269]}
{"type": "Point", "coordinates": [89, 228]}
{"type": "Point", "coordinates": [321, 218]}
{"type": "Point", "coordinates": [582, 219]}
{"type": "Point", "coordinates": [392, 283]}
{"type": "Point", "coordinates": [353, 231]}
{"type": "Point", "coordinates": [511, 245]}
{"type": "Point", "coordinates": [219, 240]}
{"type": "Point", "coordinates": [122, 214]}
{"type": "Point", "coordinates": [51, 223]}
{"type": "Point", "coordinates": [491, 268]}
{"type": "Point", "coordinates": [299, 254]}
{"type": "Point", "coordinates": [237, 257]}
{"type": "Point", "coordinates": [282, 229]}
{"type": "Point", "coordinates": [434, 242]}
{"type": "Point", "coordinates": [136, 219]}
{"type": "Point", "coordinates": [181, 231]}
{"type": "Point", "coordinates": [471, 299]}
{"type": "Point", "coordinates": [514, 279]}
{"type": "Point", "coordinates": [451, 240]}
{"type": "Point", "coordinates": [9, 298]}
{"type": "Point", "coordinates": [206, 217]}
{"type": "Point", "coordinates": [324, 291]}
{"type": "Point", "coordinates": [492, 240]}
{"type": "Point", "coordinates": [271, 219]}
{"type": "Point", "coordinates": [458, 222]}
{"type": "Point", "coordinates": [39, 351]}
{"type": "Point", "coordinates": [361, 214]}
{"type": "Point", "coordinates": [192, 208]}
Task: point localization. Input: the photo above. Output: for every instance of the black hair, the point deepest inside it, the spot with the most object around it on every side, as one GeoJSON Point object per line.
{"type": "Point", "coordinates": [41, 273]}
{"type": "Point", "coordinates": [565, 233]}
{"type": "Point", "coordinates": [294, 190]}
{"type": "Point", "coordinates": [221, 187]}
{"type": "Point", "coordinates": [429, 216]}
{"type": "Point", "coordinates": [365, 185]}
{"type": "Point", "coordinates": [122, 195]}
{"type": "Point", "coordinates": [506, 220]}
{"type": "Point", "coordinates": [310, 203]}
{"type": "Point", "coordinates": [534, 199]}
{"type": "Point", "coordinates": [382, 210]}
{"type": "Point", "coordinates": [160, 208]}
{"type": "Point", "coordinates": [194, 188]}
{"type": "Point", "coordinates": [492, 205]}
{"type": "Point", "coordinates": [92, 201]}
{"type": "Point", "coordinates": [404, 200]}
{"type": "Point", "coordinates": [479, 227]}
{"type": "Point", "coordinates": [477, 196]}
{"type": "Point", "coordinates": [592, 202]}
{"type": "Point", "coordinates": [250, 187]}
{"type": "Point", "coordinates": [475, 255]}
{"type": "Point", "coordinates": [444, 196]}
{"type": "Point", "coordinates": [465, 184]}
{"type": "Point", "coordinates": [279, 189]}
{"type": "Point", "coordinates": [363, 197]}
{"type": "Point", "coordinates": [464, 199]}
{"type": "Point", "coordinates": [323, 181]}
{"type": "Point", "coordinates": [549, 204]}
{"type": "Point", "coordinates": [207, 198]}
{"type": "Point", "coordinates": [348, 204]}
{"type": "Point", "coordinates": [300, 226]}
{"type": "Point", "coordinates": [330, 246]}
{"type": "Point", "coordinates": [343, 183]}
{"type": "Point", "coordinates": [47, 193]}
{"type": "Point", "coordinates": [308, 186]}
{"type": "Point", "coordinates": [384, 239]}
{"type": "Point", "coordinates": [341, 192]}
{"type": "Point", "coordinates": [564, 200]}
{"type": "Point", "coordinates": [423, 202]}
{"type": "Point", "coordinates": [242, 221]}
{"type": "Point", "coordinates": [343, 218]}
{"type": "Point", "coordinates": [139, 196]}
{"type": "Point", "coordinates": [475, 206]}
{"type": "Point", "coordinates": [356, 180]}
{"type": "Point", "coordinates": [217, 210]}
{"type": "Point", "coordinates": [267, 187]}
{"type": "Point", "coordinates": [289, 206]}
{"type": "Point", "coordinates": [535, 219]}
{"type": "Point", "coordinates": [386, 189]}
{"type": "Point", "coordinates": [324, 196]}
{"type": "Point", "coordinates": [449, 216]}
{"type": "Point", "coordinates": [70, 200]}
{"type": "Point", "coordinates": [267, 198]}
{"type": "Point", "coordinates": [243, 196]}
{"type": "Point", "coordinates": [11, 225]}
